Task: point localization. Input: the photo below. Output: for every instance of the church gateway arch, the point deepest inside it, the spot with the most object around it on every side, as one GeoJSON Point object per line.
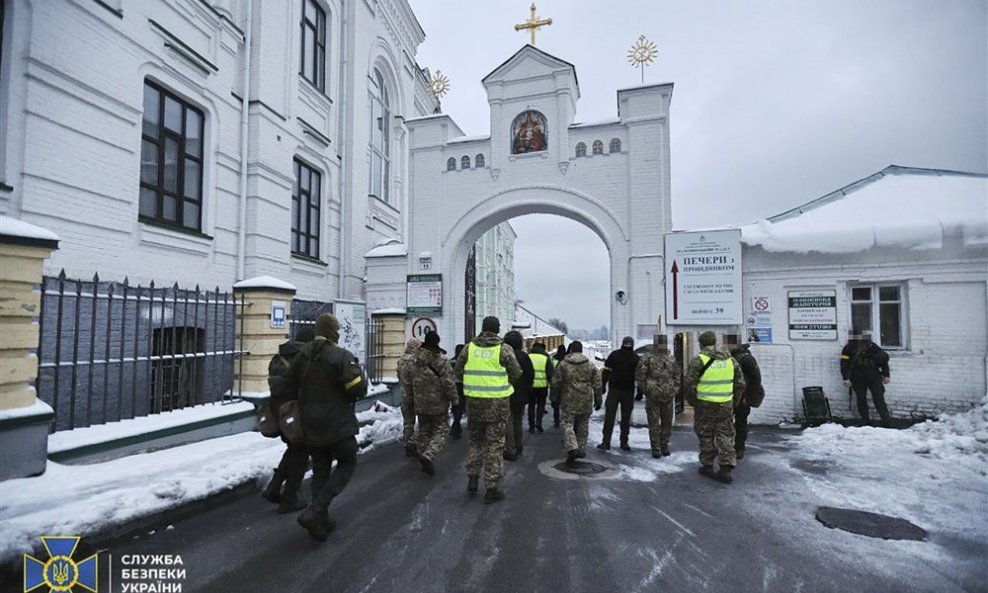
{"type": "Point", "coordinates": [612, 176]}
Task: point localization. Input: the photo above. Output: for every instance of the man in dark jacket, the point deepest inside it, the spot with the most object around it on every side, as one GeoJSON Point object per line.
{"type": "Point", "coordinates": [618, 377]}
{"type": "Point", "coordinates": [556, 359]}
{"type": "Point", "coordinates": [752, 389]}
{"type": "Point", "coordinates": [291, 470]}
{"type": "Point", "coordinates": [327, 382]}
{"type": "Point", "coordinates": [519, 398]}
{"type": "Point", "coordinates": [456, 430]}
{"type": "Point", "coordinates": [542, 366]}
{"type": "Point", "coordinates": [864, 365]}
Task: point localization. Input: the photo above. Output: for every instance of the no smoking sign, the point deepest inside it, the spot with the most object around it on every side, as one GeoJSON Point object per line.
{"type": "Point", "coordinates": [761, 305]}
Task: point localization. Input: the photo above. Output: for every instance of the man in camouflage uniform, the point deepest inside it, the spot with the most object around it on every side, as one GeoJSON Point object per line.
{"type": "Point", "coordinates": [487, 368]}
{"type": "Point", "coordinates": [714, 384]}
{"type": "Point", "coordinates": [433, 391]}
{"type": "Point", "coordinates": [407, 405]}
{"type": "Point", "coordinates": [658, 376]}
{"type": "Point", "coordinates": [576, 387]}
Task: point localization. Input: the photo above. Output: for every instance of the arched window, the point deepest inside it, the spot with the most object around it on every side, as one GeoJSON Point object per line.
{"type": "Point", "coordinates": [380, 140]}
{"type": "Point", "coordinates": [598, 147]}
{"type": "Point", "coordinates": [615, 145]}
{"type": "Point", "coordinates": [581, 149]}
{"type": "Point", "coordinates": [478, 161]}
{"type": "Point", "coordinates": [529, 133]}
{"type": "Point", "coordinates": [465, 162]}
{"type": "Point", "coordinates": [451, 164]}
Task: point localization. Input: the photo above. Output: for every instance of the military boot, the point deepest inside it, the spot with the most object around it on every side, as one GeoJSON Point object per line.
{"type": "Point", "coordinates": [493, 495]}
{"type": "Point", "coordinates": [604, 446]}
{"type": "Point", "coordinates": [272, 492]}
{"type": "Point", "coordinates": [708, 470]}
{"type": "Point", "coordinates": [411, 450]}
{"type": "Point", "coordinates": [473, 484]}
{"type": "Point", "coordinates": [625, 446]}
{"type": "Point", "coordinates": [427, 466]}
{"type": "Point", "coordinates": [724, 474]}
{"type": "Point", "coordinates": [656, 454]}
{"type": "Point", "coordinates": [291, 502]}
{"type": "Point", "coordinates": [665, 451]}
{"type": "Point", "coordinates": [571, 457]}
{"type": "Point", "coordinates": [739, 453]}
{"type": "Point", "coordinates": [316, 521]}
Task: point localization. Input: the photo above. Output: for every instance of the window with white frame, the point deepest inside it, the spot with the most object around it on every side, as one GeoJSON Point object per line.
{"type": "Point", "coordinates": [881, 309]}
{"type": "Point", "coordinates": [380, 140]}
{"type": "Point", "coordinates": [313, 67]}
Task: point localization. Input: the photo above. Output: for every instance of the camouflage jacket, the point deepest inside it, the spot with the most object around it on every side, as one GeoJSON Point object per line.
{"type": "Point", "coordinates": [693, 373]}
{"type": "Point", "coordinates": [405, 364]}
{"type": "Point", "coordinates": [576, 385]}
{"type": "Point", "coordinates": [485, 409]}
{"type": "Point", "coordinates": [433, 388]}
{"type": "Point", "coordinates": [658, 376]}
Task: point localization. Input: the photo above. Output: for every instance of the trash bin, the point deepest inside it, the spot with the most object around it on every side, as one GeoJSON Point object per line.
{"type": "Point", "coordinates": [816, 406]}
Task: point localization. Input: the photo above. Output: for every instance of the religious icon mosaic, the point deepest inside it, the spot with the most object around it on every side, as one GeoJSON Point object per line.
{"type": "Point", "coordinates": [528, 133]}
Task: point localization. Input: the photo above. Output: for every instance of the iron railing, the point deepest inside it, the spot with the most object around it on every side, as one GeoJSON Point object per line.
{"type": "Point", "coordinates": [110, 351]}
{"type": "Point", "coordinates": [375, 351]}
{"type": "Point", "coordinates": [305, 313]}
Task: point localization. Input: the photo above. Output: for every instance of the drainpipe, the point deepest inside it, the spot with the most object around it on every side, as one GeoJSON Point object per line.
{"type": "Point", "coordinates": [244, 133]}
{"type": "Point", "coordinates": [628, 286]}
{"type": "Point", "coordinates": [342, 123]}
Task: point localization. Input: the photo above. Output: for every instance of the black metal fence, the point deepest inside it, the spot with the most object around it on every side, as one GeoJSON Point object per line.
{"type": "Point", "coordinates": [111, 351]}
{"type": "Point", "coordinates": [305, 313]}
{"type": "Point", "coordinates": [375, 350]}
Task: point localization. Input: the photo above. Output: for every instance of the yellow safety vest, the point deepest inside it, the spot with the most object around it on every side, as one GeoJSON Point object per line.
{"type": "Point", "coordinates": [717, 383]}
{"type": "Point", "coordinates": [483, 375]}
{"type": "Point", "coordinates": [538, 361]}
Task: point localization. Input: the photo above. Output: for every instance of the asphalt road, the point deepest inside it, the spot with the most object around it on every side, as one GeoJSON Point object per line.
{"type": "Point", "coordinates": [644, 525]}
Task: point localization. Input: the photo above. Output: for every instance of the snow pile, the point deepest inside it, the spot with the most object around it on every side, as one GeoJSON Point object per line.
{"type": "Point", "coordinates": [87, 499]}
{"type": "Point", "coordinates": [900, 209]}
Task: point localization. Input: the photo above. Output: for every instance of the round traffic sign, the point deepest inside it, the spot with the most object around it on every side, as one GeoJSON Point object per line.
{"type": "Point", "coordinates": [422, 326]}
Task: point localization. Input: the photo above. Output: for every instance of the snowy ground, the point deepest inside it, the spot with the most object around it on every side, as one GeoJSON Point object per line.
{"type": "Point", "coordinates": [87, 499]}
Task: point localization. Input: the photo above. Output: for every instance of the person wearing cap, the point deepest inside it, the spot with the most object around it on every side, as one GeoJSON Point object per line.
{"type": "Point", "coordinates": [407, 400]}
{"type": "Point", "coordinates": [326, 381]}
{"type": "Point", "coordinates": [618, 378]}
{"type": "Point", "coordinates": [433, 392]}
{"type": "Point", "coordinates": [865, 366]}
{"type": "Point", "coordinates": [577, 389]}
{"type": "Point", "coordinates": [543, 368]}
{"type": "Point", "coordinates": [294, 462]}
{"type": "Point", "coordinates": [753, 391]}
{"type": "Point", "coordinates": [658, 377]}
{"type": "Point", "coordinates": [714, 384]}
{"type": "Point", "coordinates": [487, 369]}
{"type": "Point", "coordinates": [556, 359]}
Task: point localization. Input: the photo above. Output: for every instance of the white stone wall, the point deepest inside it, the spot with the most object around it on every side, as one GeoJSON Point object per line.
{"type": "Point", "coordinates": [495, 274]}
{"type": "Point", "coordinates": [941, 369]}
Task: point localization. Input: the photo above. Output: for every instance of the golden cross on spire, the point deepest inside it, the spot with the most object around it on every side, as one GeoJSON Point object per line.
{"type": "Point", "coordinates": [533, 24]}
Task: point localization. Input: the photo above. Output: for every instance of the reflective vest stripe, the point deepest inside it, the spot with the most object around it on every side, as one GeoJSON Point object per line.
{"type": "Point", "coordinates": [538, 361]}
{"type": "Point", "coordinates": [717, 383]}
{"type": "Point", "coordinates": [483, 375]}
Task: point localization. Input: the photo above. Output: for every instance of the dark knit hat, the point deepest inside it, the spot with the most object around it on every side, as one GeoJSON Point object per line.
{"type": "Point", "coordinates": [328, 326]}
{"type": "Point", "coordinates": [491, 324]}
{"type": "Point", "coordinates": [628, 340]}
{"type": "Point", "coordinates": [576, 346]}
{"type": "Point", "coordinates": [513, 338]}
{"type": "Point", "coordinates": [708, 339]}
{"type": "Point", "coordinates": [431, 339]}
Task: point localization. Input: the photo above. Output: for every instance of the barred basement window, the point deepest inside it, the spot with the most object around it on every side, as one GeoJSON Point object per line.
{"type": "Point", "coordinates": [478, 161]}
{"type": "Point", "coordinates": [880, 306]}
{"type": "Point", "coordinates": [451, 164]}
{"type": "Point", "coordinates": [615, 145]}
{"type": "Point", "coordinates": [581, 149]}
{"type": "Point", "coordinates": [171, 159]}
{"type": "Point", "coordinates": [465, 162]}
{"type": "Point", "coordinates": [306, 201]}
{"type": "Point", "coordinates": [598, 147]}
{"type": "Point", "coordinates": [313, 67]}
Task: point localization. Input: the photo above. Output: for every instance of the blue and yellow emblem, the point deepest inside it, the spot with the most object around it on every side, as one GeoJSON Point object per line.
{"type": "Point", "coordinates": [61, 572]}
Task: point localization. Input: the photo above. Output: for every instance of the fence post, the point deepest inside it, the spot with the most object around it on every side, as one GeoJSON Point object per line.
{"type": "Point", "coordinates": [24, 419]}
{"type": "Point", "coordinates": [262, 333]}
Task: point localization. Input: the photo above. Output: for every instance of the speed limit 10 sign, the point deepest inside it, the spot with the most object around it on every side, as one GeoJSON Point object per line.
{"type": "Point", "coordinates": [422, 326]}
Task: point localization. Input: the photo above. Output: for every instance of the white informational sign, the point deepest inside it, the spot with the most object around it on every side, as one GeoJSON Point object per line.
{"type": "Point", "coordinates": [812, 314]}
{"type": "Point", "coordinates": [278, 314]}
{"type": "Point", "coordinates": [703, 278]}
{"type": "Point", "coordinates": [352, 316]}
{"type": "Point", "coordinates": [422, 326]}
{"type": "Point", "coordinates": [424, 295]}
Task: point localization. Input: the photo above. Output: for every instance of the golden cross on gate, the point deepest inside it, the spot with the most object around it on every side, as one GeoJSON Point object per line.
{"type": "Point", "coordinates": [533, 24]}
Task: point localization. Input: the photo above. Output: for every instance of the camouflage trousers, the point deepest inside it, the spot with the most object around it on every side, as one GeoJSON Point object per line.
{"type": "Point", "coordinates": [660, 419]}
{"type": "Point", "coordinates": [714, 425]}
{"type": "Point", "coordinates": [407, 418]}
{"type": "Point", "coordinates": [576, 429]}
{"type": "Point", "coordinates": [432, 434]}
{"type": "Point", "coordinates": [485, 450]}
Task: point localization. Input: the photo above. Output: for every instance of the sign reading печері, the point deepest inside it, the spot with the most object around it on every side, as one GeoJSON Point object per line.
{"type": "Point", "coordinates": [703, 278]}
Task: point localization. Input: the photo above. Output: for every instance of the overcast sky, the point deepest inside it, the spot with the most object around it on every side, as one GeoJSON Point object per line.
{"type": "Point", "coordinates": [776, 102]}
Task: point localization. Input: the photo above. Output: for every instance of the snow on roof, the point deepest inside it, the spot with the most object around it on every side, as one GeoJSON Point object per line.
{"type": "Point", "coordinates": [265, 282]}
{"type": "Point", "coordinates": [600, 122]}
{"type": "Point", "coordinates": [389, 311]}
{"type": "Point", "coordinates": [896, 207]}
{"type": "Point", "coordinates": [389, 248]}
{"type": "Point", "coordinates": [468, 139]}
{"type": "Point", "coordinates": [18, 228]}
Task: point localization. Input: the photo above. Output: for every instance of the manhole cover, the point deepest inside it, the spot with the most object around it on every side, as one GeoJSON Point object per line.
{"type": "Point", "coordinates": [870, 524]}
{"type": "Point", "coordinates": [581, 468]}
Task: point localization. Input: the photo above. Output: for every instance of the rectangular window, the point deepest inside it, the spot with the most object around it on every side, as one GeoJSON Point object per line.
{"type": "Point", "coordinates": [306, 200]}
{"type": "Point", "coordinates": [880, 308]}
{"type": "Point", "coordinates": [171, 159]}
{"type": "Point", "coordinates": [313, 67]}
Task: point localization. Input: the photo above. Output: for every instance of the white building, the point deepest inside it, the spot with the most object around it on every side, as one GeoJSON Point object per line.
{"type": "Point", "coordinates": [903, 253]}
{"type": "Point", "coordinates": [495, 280]}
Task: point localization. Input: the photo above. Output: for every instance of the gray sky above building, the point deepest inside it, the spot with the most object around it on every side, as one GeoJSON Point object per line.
{"type": "Point", "coordinates": [776, 102]}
